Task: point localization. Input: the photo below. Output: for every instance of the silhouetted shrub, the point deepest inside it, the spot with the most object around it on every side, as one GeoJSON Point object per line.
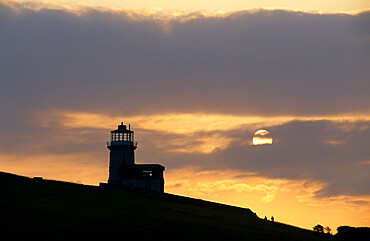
{"type": "Point", "coordinates": [318, 228]}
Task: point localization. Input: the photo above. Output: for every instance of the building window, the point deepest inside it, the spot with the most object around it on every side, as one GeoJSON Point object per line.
{"type": "Point", "coordinates": [147, 173]}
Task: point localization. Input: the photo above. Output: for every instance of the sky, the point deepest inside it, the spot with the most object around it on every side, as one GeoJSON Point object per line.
{"type": "Point", "coordinates": [196, 80]}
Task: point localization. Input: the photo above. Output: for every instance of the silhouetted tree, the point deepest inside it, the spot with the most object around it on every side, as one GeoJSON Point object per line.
{"type": "Point", "coordinates": [327, 230]}
{"type": "Point", "coordinates": [318, 228]}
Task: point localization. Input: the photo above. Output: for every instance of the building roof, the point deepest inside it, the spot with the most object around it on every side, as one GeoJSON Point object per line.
{"type": "Point", "coordinates": [123, 129]}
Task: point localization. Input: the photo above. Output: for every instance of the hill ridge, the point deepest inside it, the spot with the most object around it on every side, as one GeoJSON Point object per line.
{"type": "Point", "coordinates": [42, 209]}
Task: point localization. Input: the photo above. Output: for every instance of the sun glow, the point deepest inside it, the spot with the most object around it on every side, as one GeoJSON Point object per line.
{"type": "Point", "coordinates": [209, 6]}
{"type": "Point", "coordinates": [183, 123]}
{"type": "Point", "coordinates": [177, 123]}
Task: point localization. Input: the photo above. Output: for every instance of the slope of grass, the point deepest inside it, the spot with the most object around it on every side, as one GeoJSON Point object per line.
{"type": "Point", "coordinates": [51, 210]}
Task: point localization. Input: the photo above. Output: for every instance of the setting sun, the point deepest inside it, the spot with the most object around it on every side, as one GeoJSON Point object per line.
{"type": "Point", "coordinates": [261, 137]}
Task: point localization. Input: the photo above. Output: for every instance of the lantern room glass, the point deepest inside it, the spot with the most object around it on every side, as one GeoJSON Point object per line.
{"type": "Point", "coordinates": [122, 136]}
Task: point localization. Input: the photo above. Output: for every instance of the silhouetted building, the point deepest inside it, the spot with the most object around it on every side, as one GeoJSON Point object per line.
{"type": "Point", "coordinates": [123, 172]}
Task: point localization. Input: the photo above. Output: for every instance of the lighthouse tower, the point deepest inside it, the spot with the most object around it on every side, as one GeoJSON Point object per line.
{"type": "Point", "coordinates": [122, 147]}
{"type": "Point", "coordinates": [123, 171]}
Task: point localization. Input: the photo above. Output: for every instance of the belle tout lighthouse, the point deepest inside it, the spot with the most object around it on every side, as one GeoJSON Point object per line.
{"type": "Point", "coordinates": [123, 172]}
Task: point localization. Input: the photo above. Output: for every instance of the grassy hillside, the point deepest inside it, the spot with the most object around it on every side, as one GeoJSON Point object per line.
{"type": "Point", "coordinates": [51, 210]}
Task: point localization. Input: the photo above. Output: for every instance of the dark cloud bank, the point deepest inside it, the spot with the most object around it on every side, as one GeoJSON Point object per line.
{"type": "Point", "coordinates": [260, 63]}
{"type": "Point", "coordinates": [268, 62]}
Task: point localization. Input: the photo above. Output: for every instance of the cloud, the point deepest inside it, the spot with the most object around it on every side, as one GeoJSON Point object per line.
{"type": "Point", "coordinates": [260, 63]}
{"type": "Point", "coordinates": [332, 152]}
{"type": "Point", "coordinates": [300, 152]}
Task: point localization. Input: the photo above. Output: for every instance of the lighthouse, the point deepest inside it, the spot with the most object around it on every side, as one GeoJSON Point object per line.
{"type": "Point", "coordinates": [123, 171]}
{"type": "Point", "coordinates": [121, 147]}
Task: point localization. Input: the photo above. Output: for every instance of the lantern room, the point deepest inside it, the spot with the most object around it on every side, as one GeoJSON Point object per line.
{"type": "Point", "coordinates": [121, 136]}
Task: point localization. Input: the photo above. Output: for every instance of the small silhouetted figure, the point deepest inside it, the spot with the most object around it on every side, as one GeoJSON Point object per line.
{"type": "Point", "coordinates": [272, 218]}
{"type": "Point", "coordinates": [265, 218]}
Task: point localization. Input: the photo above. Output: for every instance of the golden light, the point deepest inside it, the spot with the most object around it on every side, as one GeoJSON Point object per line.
{"type": "Point", "coordinates": [261, 137]}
